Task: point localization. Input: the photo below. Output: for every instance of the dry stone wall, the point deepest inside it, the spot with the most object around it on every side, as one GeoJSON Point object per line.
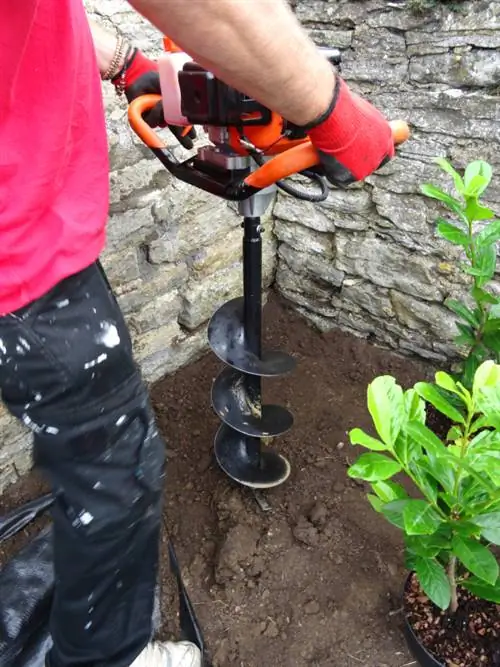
{"type": "Point", "coordinates": [367, 259]}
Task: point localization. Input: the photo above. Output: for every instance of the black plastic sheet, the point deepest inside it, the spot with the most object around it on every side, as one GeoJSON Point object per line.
{"type": "Point", "coordinates": [26, 589]}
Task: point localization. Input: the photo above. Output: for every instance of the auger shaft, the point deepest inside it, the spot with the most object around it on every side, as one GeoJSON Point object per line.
{"type": "Point", "coordinates": [252, 320]}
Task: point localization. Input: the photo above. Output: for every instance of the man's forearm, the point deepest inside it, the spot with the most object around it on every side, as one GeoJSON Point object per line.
{"type": "Point", "coordinates": [257, 46]}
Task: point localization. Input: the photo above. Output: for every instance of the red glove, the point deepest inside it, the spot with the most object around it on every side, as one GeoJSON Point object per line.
{"type": "Point", "coordinates": [139, 76]}
{"type": "Point", "coordinates": [352, 138]}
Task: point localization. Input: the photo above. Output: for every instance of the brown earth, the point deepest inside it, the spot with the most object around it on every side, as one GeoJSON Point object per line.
{"type": "Point", "coordinates": [318, 580]}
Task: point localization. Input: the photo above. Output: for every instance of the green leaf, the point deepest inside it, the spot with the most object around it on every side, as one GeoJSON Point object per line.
{"type": "Point", "coordinates": [388, 491]}
{"type": "Point", "coordinates": [477, 558]}
{"type": "Point", "coordinates": [478, 424]}
{"type": "Point", "coordinates": [427, 438]}
{"type": "Point", "coordinates": [441, 470]}
{"type": "Point", "coordinates": [432, 191]}
{"type": "Point", "coordinates": [470, 367]}
{"type": "Point", "coordinates": [453, 434]}
{"type": "Point", "coordinates": [486, 260]}
{"type": "Point", "coordinates": [488, 402]}
{"type": "Point", "coordinates": [373, 468]}
{"type": "Point", "coordinates": [358, 437]}
{"type": "Point", "coordinates": [476, 211]}
{"type": "Point", "coordinates": [462, 311]}
{"type": "Point", "coordinates": [420, 518]}
{"type": "Point", "coordinates": [466, 334]}
{"type": "Point", "coordinates": [492, 325]}
{"type": "Point", "coordinates": [407, 448]}
{"type": "Point", "coordinates": [393, 512]}
{"type": "Point", "coordinates": [492, 341]}
{"type": "Point", "coordinates": [452, 233]}
{"type": "Point", "coordinates": [426, 484]}
{"type": "Point", "coordinates": [487, 375]}
{"type": "Point", "coordinates": [386, 407]}
{"type": "Point", "coordinates": [433, 581]}
{"type": "Point", "coordinates": [482, 590]}
{"type": "Point", "coordinates": [429, 546]}
{"type": "Point", "coordinates": [477, 177]}
{"type": "Point", "coordinates": [375, 502]}
{"type": "Point", "coordinates": [482, 296]}
{"type": "Point", "coordinates": [414, 405]}
{"type": "Point", "coordinates": [447, 167]}
{"type": "Point", "coordinates": [430, 394]}
{"type": "Point", "coordinates": [490, 524]}
{"type": "Point", "coordinates": [445, 381]}
{"type": "Point", "coordinates": [489, 234]}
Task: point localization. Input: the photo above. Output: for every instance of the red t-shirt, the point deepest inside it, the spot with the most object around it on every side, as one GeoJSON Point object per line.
{"type": "Point", "coordinates": [53, 148]}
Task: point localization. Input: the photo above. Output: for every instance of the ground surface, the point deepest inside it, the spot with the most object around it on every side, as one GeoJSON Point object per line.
{"type": "Point", "coordinates": [318, 580]}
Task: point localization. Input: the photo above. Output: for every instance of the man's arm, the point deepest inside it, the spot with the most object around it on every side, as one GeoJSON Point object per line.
{"type": "Point", "coordinates": [257, 46]}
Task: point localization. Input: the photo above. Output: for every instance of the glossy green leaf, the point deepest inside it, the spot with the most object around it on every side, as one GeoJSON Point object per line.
{"type": "Point", "coordinates": [441, 470]}
{"type": "Point", "coordinates": [358, 437]}
{"type": "Point", "coordinates": [467, 336]}
{"type": "Point", "coordinates": [375, 502]}
{"type": "Point", "coordinates": [386, 407]}
{"type": "Point", "coordinates": [407, 448]}
{"type": "Point", "coordinates": [430, 394]}
{"type": "Point", "coordinates": [427, 438]}
{"type": "Point", "coordinates": [477, 558]}
{"type": "Point", "coordinates": [490, 525]}
{"type": "Point", "coordinates": [433, 580]}
{"type": "Point", "coordinates": [483, 590]}
{"type": "Point", "coordinates": [393, 512]}
{"type": "Point", "coordinates": [388, 491]}
{"type": "Point", "coordinates": [453, 434]}
{"type": "Point", "coordinates": [428, 546]}
{"type": "Point", "coordinates": [420, 518]}
{"type": "Point", "coordinates": [462, 311]}
{"type": "Point", "coordinates": [492, 341]}
{"type": "Point", "coordinates": [373, 468]}
{"type": "Point", "coordinates": [414, 405]}
{"type": "Point", "coordinates": [477, 177]}
{"type": "Point", "coordinates": [488, 402]}
{"type": "Point", "coordinates": [449, 169]}
{"type": "Point", "coordinates": [486, 260]}
{"type": "Point", "coordinates": [476, 211]}
{"type": "Point", "coordinates": [489, 234]}
{"type": "Point", "coordinates": [432, 191]}
{"type": "Point", "coordinates": [487, 375]}
{"type": "Point", "coordinates": [445, 381]}
{"type": "Point", "coordinates": [425, 482]}
{"type": "Point", "coordinates": [482, 296]}
{"type": "Point", "coordinates": [452, 233]}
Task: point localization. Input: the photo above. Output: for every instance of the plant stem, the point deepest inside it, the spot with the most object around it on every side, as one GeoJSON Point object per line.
{"type": "Point", "coordinates": [452, 578]}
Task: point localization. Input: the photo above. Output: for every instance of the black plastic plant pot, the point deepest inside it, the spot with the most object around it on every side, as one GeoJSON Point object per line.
{"type": "Point", "coordinates": [417, 649]}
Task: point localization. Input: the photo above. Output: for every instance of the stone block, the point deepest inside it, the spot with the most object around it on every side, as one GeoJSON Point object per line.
{"type": "Point", "coordinates": [311, 265]}
{"type": "Point", "coordinates": [388, 265]}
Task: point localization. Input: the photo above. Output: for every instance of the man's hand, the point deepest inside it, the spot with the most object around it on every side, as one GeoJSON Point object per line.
{"type": "Point", "coordinates": [352, 137]}
{"type": "Point", "coordinates": [139, 76]}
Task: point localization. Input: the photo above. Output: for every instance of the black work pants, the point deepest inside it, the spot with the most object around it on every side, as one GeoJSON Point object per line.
{"type": "Point", "coordinates": [67, 372]}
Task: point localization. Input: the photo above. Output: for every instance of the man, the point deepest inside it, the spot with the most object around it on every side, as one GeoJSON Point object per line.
{"type": "Point", "coordinates": [66, 364]}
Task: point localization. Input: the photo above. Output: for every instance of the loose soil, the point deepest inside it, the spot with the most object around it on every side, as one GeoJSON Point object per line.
{"type": "Point", "coordinates": [316, 581]}
{"type": "Point", "coordinates": [469, 637]}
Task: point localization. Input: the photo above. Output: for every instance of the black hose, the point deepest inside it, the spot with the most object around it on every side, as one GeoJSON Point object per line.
{"type": "Point", "coordinates": [296, 191]}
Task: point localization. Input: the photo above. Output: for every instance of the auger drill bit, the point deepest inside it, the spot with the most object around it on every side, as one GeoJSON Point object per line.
{"type": "Point", "coordinates": [235, 336]}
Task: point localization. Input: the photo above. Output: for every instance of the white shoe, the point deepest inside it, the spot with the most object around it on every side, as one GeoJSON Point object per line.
{"type": "Point", "coordinates": [169, 654]}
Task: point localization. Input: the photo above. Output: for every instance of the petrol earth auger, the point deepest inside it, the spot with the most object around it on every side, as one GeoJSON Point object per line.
{"type": "Point", "coordinates": [252, 150]}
